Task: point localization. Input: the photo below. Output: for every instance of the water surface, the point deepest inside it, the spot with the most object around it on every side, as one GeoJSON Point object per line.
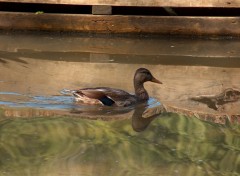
{"type": "Point", "coordinates": [44, 132]}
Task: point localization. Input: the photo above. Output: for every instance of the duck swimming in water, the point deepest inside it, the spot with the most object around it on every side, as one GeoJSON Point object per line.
{"type": "Point", "coordinates": [116, 97]}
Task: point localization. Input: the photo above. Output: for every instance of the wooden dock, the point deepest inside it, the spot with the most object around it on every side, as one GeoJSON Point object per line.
{"type": "Point", "coordinates": [150, 3]}
{"type": "Point", "coordinates": [212, 17]}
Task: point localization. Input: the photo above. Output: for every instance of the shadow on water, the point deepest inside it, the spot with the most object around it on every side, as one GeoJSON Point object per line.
{"type": "Point", "coordinates": [232, 62]}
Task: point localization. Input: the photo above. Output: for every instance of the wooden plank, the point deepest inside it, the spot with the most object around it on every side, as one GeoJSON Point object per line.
{"type": "Point", "coordinates": [160, 3]}
{"type": "Point", "coordinates": [121, 24]}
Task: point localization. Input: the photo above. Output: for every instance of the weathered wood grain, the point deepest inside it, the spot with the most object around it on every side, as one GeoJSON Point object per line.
{"type": "Point", "coordinates": [121, 24]}
{"type": "Point", "coordinates": [160, 3]}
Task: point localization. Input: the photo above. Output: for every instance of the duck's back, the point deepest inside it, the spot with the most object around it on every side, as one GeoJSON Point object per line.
{"type": "Point", "coordinates": [107, 96]}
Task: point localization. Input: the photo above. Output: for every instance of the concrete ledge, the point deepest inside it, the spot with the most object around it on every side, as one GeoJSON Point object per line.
{"type": "Point", "coordinates": [150, 48]}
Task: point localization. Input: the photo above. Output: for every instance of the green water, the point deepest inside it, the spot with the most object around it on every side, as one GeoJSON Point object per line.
{"type": "Point", "coordinates": [170, 145]}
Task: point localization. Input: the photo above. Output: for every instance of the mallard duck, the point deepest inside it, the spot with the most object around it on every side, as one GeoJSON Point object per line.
{"type": "Point", "coordinates": [116, 97]}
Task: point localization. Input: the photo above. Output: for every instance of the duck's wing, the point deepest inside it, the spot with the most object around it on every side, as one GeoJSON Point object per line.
{"type": "Point", "coordinates": [107, 96]}
{"type": "Point", "coordinates": [93, 96]}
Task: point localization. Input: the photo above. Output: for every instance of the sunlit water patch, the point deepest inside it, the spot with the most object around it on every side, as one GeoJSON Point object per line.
{"type": "Point", "coordinates": [45, 102]}
{"type": "Point", "coordinates": [9, 93]}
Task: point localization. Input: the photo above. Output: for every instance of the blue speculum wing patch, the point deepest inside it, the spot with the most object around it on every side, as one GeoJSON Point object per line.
{"type": "Point", "coordinates": [107, 101]}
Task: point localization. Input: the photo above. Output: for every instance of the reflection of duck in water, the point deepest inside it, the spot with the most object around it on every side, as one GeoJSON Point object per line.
{"type": "Point", "coordinates": [116, 97]}
{"type": "Point", "coordinates": [143, 116]}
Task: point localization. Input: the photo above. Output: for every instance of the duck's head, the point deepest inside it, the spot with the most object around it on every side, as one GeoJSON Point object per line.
{"type": "Point", "coordinates": [143, 75]}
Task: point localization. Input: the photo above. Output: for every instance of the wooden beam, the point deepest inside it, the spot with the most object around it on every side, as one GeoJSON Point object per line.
{"type": "Point", "coordinates": [121, 24]}
{"type": "Point", "coordinates": [160, 3]}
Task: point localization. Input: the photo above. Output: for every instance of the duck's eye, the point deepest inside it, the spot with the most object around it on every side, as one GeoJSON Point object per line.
{"type": "Point", "coordinates": [146, 72]}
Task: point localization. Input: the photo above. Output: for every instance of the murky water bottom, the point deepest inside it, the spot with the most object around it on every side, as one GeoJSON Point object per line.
{"type": "Point", "coordinates": [44, 132]}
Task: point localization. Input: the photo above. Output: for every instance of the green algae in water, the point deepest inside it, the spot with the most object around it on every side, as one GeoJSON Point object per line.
{"type": "Point", "coordinates": [171, 145]}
